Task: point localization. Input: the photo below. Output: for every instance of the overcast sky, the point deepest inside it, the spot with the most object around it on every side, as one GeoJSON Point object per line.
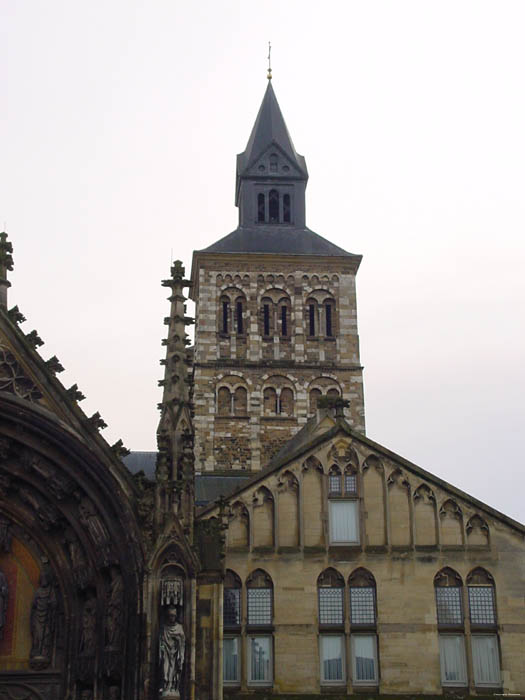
{"type": "Point", "coordinates": [120, 123]}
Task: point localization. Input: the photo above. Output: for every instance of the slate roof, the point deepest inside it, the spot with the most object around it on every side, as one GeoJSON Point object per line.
{"type": "Point", "coordinates": [277, 239]}
{"type": "Point", "coordinates": [269, 127]}
{"type": "Point", "coordinates": [208, 487]}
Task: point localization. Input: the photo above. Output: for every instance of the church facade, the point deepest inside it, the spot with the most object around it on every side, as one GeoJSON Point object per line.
{"type": "Point", "coordinates": [268, 547]}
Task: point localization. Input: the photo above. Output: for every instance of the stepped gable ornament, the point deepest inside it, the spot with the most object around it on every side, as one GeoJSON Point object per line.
{"type": "Point", "coordinates": [42, 621]}
{"type": "Point", "coordinates": [4, 599]}
{"type": "Point", "coordinates": [14, 380]}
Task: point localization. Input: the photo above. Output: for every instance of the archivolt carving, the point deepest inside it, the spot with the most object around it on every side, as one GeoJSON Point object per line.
{"type": "Point", "coordinates": [4, 599]}
{"type": "Point", "coordinates": [5, 535]}
{"type": "Point", "coordinates": [14, 380]}
{"type": "Point", "coordinates": [46, 513]}
{"type": "Point", "coordinates": [97, 532]}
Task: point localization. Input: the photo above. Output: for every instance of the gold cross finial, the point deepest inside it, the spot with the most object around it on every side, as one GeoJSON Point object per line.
{"type": "Point", "coordinates": [269, 74]}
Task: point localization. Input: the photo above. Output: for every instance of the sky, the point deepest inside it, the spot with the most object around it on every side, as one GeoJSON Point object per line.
{"type": "Point", "coordinates": [119, 127]}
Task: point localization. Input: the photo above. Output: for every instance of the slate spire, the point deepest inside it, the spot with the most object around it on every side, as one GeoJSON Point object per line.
{"type": "Point", "coordinates": [269, 128]}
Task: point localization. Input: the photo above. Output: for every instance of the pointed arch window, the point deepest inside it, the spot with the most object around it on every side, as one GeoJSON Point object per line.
{"type": "Point", "coordinates": [330, 590]}
{"type": "Point", "coordinates": [448, 588]}
{"type": "Point", "coordinates": [261, 208]}
{"type": "Point", "coordinates": [287, 210]}
{"type": "Point", "coordinates": [231, 617]}
{"type": "Point", "coordinates": [363, 628]}
{"type": "Point", "coordinates": [273, 206]}
{"type": "Point", "coordinates": [259, 589]}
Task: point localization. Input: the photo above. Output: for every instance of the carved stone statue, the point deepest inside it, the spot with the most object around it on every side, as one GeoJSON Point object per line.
{"type": "Point", "coordinates": [87, 646]}
{"type": "Point", "coordinates": [79, 565]}
{"type": "Point", "coordinates": [42, 620]}
{"type": "Point", "coordinates": [115, 610]}
{"type": "Point", "coordinates": [4, 598]}
{"type": "Point", "coordinates": [97, 531]}
{"type": "Point", "coordinates": [171, 655]}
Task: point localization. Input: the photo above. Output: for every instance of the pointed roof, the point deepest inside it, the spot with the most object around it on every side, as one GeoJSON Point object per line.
{"type": "Point", "coordinates": [269, 128]}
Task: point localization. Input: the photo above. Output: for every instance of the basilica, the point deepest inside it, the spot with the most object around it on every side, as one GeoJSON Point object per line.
{"type": "Point", "coordinates": [268, 547]}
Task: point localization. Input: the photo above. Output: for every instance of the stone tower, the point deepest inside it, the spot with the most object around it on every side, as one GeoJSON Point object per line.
{"type": "Point", "coordinates": [276, 321]}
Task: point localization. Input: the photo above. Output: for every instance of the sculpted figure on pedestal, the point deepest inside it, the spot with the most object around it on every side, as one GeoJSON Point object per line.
{"type": "Point", "coordinates": [171, 654]}
{"type": "Point", "coordinates": [43, 615]}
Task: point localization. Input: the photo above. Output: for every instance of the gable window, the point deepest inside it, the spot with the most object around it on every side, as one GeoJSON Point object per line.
{"type": "Point", "coordinates": [273, 206]}
{"type": "Point", "coordinates": [343, 506]}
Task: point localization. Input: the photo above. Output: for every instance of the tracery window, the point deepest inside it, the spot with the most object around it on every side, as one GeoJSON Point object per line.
{"type": "Point", "coordinates": [231, 624]}
{"type": "Point", "coordinates": [260, 615]}
{"type": "Point", "coordinates": [343, 506]}
{"type": "Point", "coordinates": [449, 608]}
{"type": "Point", "coordinates": [363, 627]}
{"type": "Point", "coordinates": [330, 589]}
{"type": "Point", "coordinates": [483, 624]}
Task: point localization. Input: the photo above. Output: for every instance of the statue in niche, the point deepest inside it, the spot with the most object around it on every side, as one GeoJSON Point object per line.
{"type": "Point", "coordinates": [87, 646]}
{"type": "Point", "coordinates": [79, 565]}
{"type": "Point", "coordinates": [114, 612]}
{"type": "Point", "coordinates": [97, 531]}
{"type": "Point", "coordinates": [4, 599]}
{"type": "Point", "coordinates": [42, 620]}
{"type": "Point", "coordinates": [171, 654]}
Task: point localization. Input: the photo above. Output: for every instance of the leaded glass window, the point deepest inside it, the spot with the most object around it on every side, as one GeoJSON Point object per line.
{"type": "Point", "coordinates": [449, 605]}
{"type": "Point", "coordinates": [232, 607]}
{"type": "Point", "coordinates": [481, 604]}
{"type": "Point", "coordinates": [350, 483]}
{"type": "Point", "coordinates": [362, 605]}
{"type": "Point", "coordinates": [259, 606]}
{"type": "Point", "coordinates": [334, 484]}
{"type": "Point", "coordinates": [331, 606]}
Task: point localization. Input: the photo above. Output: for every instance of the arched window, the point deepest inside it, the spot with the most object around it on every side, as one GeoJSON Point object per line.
{"type": "Point", "coordinates": [311, 313]}
{"type": "Point", "coordinates": [335, 484]}
{"type": "Point", "coordinates": [286, 402]}
{"type": "Point", "coordinates": [270, 401]}
{"type": "Point", "coordinates": [329, 318]}
{"type": "Point", "coordinates": [239, 315]}
{"type": "Point", "coordinates": [266, 317]}
{"type": "Point", "coordinates": [363, 622]}
{"type": "Point", "coordinates": [273, 163]}
{"type": "Point", "coordinates": [259, 588]}
{"type": "Point", "coordinates": [287, 212]}
{"type": "Point", "coordinates": [343, 507]}
{"type": "Point", "coordinates": [231, 618]}
{"type": "Point", "coordinates": [483, 621]}
{"type": "Point", "coordinates": [224, 401]}
{"type": "Point", "coordinates": [284, 317]}
{"type": "Point", "coordinates": [240, 401]}
{"type": "Point", "coordinates": [273, 206]}
{"type": "Point", "coordinates": [330, 591]}
{"type": "Point", "coordinates": [261, 213]}
{"type": "Point", "coordinates": [224, 322]}
{"type": "Point", "coordinates": [448, 588]}
{"type": "Point", "coordinates": [315, 395]}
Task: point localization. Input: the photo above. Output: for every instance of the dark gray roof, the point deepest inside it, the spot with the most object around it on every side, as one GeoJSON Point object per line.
{"type": "Point", "coordinates": [276, 239]}
{"type": "Point", "coordinates": [141, 462]}
{"type": "Point", "coordinates": [208, 488]}
{"type": "Point", "coordinates": [269, 127]}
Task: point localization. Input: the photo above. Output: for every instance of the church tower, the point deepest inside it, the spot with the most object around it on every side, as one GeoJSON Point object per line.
{"type": "Point", "coordinates": [276, 320]}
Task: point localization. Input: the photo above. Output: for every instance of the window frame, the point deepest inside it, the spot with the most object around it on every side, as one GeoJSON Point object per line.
{"type": "Point", "coordinates": [249, 638]}
{"type": "Point", "coordinates": [331, 682]}
{"type": "Point", "coordinates": [249, 622]}
{"type": "Point", "coordinates": [462, 683]}
{"type": "Point", "coordinates": [486, 684]}
{"type": "Point", "coordinates": [355, 680]}
{"type": "Point", "coordinates": [332, 502]}
{"type": "Point", "coordinates": [237, 681]}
